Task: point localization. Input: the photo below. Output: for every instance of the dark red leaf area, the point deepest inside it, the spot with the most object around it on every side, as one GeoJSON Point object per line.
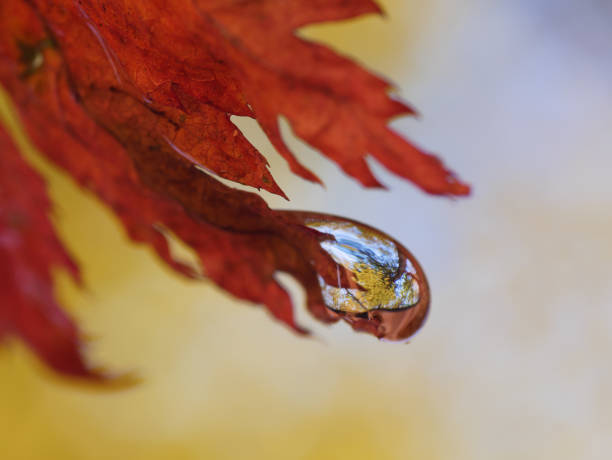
{"type": "Point", "coordinates": [29, 250]}
{"type": "Point", "coordinates": [240, 241]}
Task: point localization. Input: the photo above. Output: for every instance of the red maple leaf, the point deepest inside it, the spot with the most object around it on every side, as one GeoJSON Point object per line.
{"type": "Point", "coordinates": [134, 99]}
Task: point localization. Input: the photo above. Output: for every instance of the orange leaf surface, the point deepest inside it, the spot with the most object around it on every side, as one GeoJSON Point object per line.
{"type": "Point", "coordinates": [134, 99]}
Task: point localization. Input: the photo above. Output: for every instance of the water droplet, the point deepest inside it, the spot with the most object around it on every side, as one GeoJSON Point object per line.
{"type": "Point", "coordinates": [32, 57]}
{"type": "Point", "coordinates": [388, 294]}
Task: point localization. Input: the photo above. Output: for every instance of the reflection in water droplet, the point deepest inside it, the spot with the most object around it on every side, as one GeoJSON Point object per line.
{"type": "Point", "coordinates": [388, 294]}
{"type": "Point", "coordinates": [376, 266]}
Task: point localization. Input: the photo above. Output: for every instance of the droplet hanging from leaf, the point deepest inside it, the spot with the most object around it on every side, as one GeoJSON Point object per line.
{"type": "Point", "coordinates": [388, 294]}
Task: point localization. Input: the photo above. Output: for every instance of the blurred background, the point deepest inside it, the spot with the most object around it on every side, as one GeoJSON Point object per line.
{"type": "Point", "coordinates": [514, 361]}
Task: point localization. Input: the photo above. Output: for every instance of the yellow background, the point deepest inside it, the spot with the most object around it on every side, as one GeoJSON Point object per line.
{"type": "Point", "coordinates": [512, 363]}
